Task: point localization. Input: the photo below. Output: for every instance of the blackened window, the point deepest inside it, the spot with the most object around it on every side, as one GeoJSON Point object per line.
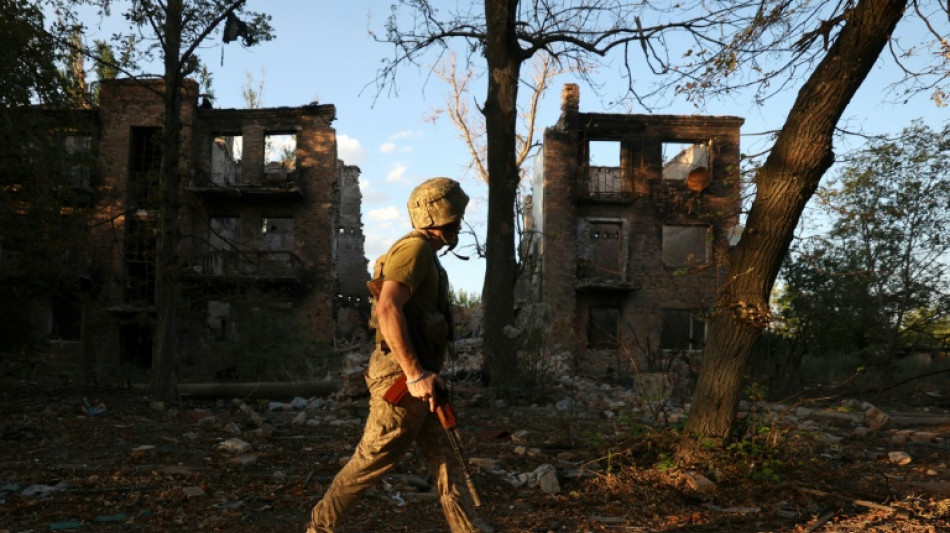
{"type": "Point", "coordinates": [603, 327]}
{"type": "Point", "coordinates": [683, 329]}
{"type": "Point", "coordinates": [686, 245]}
{"type": "Point", "coordinates": [145, 159]}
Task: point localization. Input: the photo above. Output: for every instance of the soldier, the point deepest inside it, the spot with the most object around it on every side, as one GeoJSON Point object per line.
{"type": "Point", "coordinates": [413, 323]}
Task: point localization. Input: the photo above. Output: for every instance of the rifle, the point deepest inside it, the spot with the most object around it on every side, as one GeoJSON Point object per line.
{"type": "Point", "coordinates": [446, 415]}
{"type": "Point", "coordinates": [399, 389]}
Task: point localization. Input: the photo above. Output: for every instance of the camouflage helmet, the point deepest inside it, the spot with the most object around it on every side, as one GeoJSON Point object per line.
{"type": "Point", "coordinates": [436, 202]}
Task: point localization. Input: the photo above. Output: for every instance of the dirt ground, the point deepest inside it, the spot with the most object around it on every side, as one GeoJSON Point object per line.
{"type": "Point", "coordinates": [111, 460]}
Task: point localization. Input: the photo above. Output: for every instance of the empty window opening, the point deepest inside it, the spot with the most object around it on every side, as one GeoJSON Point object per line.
{"type": "Point", "coordinates": [604, 153]}
{"type": "Point", "coordinates": [679, 159]}
{"type": "Point", "coordinates": [226, 154]}
{"type": "Point", "coordinates": [221, 322]}
{"type": "Point", "coordinates": [605, 175]}
{"type": "Point", "coordinates": [686, 245]}
{"type": "Point", "coordinates": [141, 243]}
{"type": "Point", "coordinates": [605, 246]}
{"type": "Point", "coordinates": [145, 159]}
{"type": "Point", "coordinates": [224, 234]}
{"type": "Point", "coordinates": [66, 317]}
{"type": "Point", "coordinates": [603, 327]}
{"type": "Point", "coordinates": [135, 343]}
{"type": "Point", "coordinates": [277, 233]}
{"type": "Point", "coordinates": [79, 160]}
{"type": "Point", "coordinates": [683, 329]}
{"type": "Point", "coordinates": [280, 155]}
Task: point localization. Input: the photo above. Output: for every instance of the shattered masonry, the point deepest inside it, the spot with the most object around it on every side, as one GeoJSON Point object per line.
{"type": "Point", "coordinates": [626, 233]}
{"type": "Point", "coordinates": [270, 226]}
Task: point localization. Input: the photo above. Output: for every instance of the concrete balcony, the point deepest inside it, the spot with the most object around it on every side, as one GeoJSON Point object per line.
{"type": "Point", "coordinates": [272, 186]}
{"type": "Point", "coordinates": [605, 184]}
{"type": "Point", "coordinates": [594, 278]}
{"type": "Point", "coordinates": [251, 266]}
{"type": "Point", "coordinates": [605, 284]}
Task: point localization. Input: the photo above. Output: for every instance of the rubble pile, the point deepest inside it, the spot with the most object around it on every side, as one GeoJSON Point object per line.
{"type": "Point", "coordinates": [231, 456]}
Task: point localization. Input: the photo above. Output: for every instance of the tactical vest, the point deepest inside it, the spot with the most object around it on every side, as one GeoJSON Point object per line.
{"type": "Point", "coordinates": [424, 324]}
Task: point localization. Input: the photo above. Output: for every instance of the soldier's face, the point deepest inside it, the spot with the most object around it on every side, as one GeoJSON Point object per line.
{"type": "Point", "coordinates": [450, 233]}
{"type": "Point", "coordinates": [453, 230]}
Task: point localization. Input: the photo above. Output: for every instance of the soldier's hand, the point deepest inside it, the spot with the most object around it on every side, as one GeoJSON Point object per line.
{"type": "Point", "coordinates": [426, 388]}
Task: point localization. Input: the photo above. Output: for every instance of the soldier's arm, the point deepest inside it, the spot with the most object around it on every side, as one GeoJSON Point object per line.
{"type": "Point", "coordinates": [395, 329]}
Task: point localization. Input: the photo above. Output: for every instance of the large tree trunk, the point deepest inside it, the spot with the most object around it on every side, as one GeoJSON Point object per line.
{"type": "Point", "coordinates": [801, 155]}
{"type": "Point", "coordinates": [504, 58]}
{"type": "Point", "coordinates": [165, 358]}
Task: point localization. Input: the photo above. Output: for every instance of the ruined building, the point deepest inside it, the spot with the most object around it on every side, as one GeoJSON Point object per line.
{"type": "Point", "coordinates": [271, 245]}
{"type": "Point", "coordinates": [627, 226]}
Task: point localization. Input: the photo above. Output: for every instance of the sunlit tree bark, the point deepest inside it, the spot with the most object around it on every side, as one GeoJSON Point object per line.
{"type": "Point", "coordinates": [784, 184]}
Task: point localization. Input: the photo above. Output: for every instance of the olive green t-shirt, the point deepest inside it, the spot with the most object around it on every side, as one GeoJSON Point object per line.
{"type": "Point", "coordinates": [412, 262]}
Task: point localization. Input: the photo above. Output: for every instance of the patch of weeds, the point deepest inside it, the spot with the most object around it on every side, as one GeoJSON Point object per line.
{"type": "Point", "coordinates": [632, 429]}
{"type": "Point", "coordinates": [594, 439]}
{"type": "Point", "coordinates": [679, 425]}
{"type": "Point", "coordinates": [761, 453]}
{"type": "Point", "coordinates": [611, 468]}
{"type": "Point", "coordinates": [666, 463]}
{"type": "Point", "coordinates": [757, 458]}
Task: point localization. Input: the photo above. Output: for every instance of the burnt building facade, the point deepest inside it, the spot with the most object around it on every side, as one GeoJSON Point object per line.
{"type": "Point", "coordinates": [627, 227]}
{"type": "Point", "coordinates": [270, 241]}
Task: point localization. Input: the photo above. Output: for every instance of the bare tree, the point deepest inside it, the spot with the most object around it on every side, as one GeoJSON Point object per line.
{"type": "Point", "coordinates": [253, 97]}
{"type": "Point", "coordinates": [471, 127]}
{"type": "Point", "coordinates": [507, 34]}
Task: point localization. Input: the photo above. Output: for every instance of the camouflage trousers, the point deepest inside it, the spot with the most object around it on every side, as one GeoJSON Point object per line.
{"type": "Point", "coordinates": [390, 431]}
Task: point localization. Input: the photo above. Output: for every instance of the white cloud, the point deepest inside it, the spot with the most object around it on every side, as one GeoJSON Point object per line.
{"type": "Point", "coordinates": [374, 197]}
{"type": "Point", "coordinates": [377, 244]}
{"type": "Point", "coordinates": [350, 150]}
{"type": "Point", "coordinates": [387, 147]}
{"type": "Point", "coordinates": [404, 134]}
{"type": "Point", "coordinates": [383, 214]}
{"type": "Point", "coordinates": [397, 173]}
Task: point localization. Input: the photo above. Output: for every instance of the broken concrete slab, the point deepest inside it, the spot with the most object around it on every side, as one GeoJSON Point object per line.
{"type": "Point", "coordinates": [235, 445]}
{"type": "Point", "coordinates": [700, 483]}
{"type": "Point", "coordinates": [899, 457]}
{"type": "Point", "coordinates": [193, 492]}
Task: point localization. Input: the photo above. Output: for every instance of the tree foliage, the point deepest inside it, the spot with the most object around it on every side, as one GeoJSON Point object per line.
{"type": "Point", "coordinates": [876, 284]}
{"type": "Point", "coordinates": [28, 58]}
{"type": "Point", "coordinates": [143, 44]}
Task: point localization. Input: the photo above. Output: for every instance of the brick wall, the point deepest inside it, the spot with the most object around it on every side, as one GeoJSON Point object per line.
{"type": "Point", "coordinates": [320, 193]}
{"type": "Point", "coordinates": [646, 287]}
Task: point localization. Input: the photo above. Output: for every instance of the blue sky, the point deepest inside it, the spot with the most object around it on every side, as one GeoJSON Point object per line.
{"type": "Point", "coordinates": [323, 52]}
